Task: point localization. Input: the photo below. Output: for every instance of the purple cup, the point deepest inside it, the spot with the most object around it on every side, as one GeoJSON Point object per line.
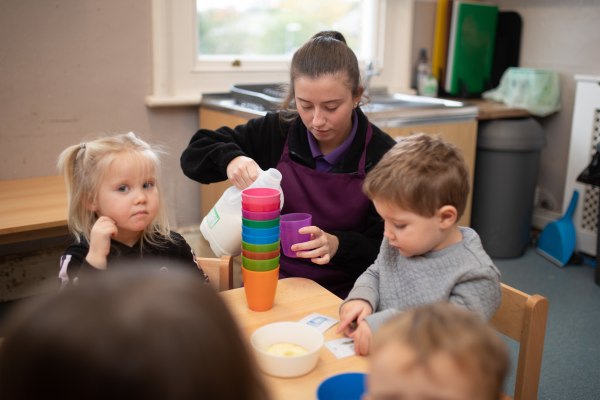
{"type": "Point", "coordinates": [289, 224]}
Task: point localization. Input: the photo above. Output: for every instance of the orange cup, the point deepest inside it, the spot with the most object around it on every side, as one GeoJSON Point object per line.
{"type": "Point", "coordinates": [260, 255]}
{"type": "Point", "coordinates": [260, 288]}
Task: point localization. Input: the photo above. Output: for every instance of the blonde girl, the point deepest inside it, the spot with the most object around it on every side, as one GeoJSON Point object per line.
{"type": "Point", "coordinates": [116, 210]}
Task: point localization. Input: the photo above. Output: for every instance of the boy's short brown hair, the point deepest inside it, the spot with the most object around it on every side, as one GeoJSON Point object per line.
{"type": "Point", "coordinates": [421, 173]}
{"type": "Point", "coordinates": [469, 340]}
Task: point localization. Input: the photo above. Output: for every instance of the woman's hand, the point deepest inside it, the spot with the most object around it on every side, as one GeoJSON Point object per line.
{"type": "Point", "coordinates": [320, 249]}
{"type": "Point", "coordinates": [242, 171]}
{"type": "Point", "coordinates": [103, 230]}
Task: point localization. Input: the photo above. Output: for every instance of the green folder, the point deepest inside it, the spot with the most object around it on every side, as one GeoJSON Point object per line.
{"type": "Point", "coordinates": [471, 48]}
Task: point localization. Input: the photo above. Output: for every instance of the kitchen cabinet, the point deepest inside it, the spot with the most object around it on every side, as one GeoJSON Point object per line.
{"type": "Point", "coordinates": [462, 133]}
{"type": "Point", "coordinates": [213, 119]}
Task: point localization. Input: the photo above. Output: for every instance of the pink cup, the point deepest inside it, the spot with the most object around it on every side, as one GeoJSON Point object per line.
{"type": "Point", "coordinates": [289, 224]}
{"type": "Point", "coordinates": [261, 207]}
{"type": "Point", "coordinates": [261, 199]}
{"type": "Point", "coordinates": [260, 216]}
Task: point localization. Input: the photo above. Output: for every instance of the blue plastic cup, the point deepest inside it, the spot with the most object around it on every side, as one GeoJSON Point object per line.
{"type": "Point", "coordinates": [253, 239]}
{"type": "Point", "coordinates": [260, 231]}
{"type": "Point", "coordinates": [348, 386]}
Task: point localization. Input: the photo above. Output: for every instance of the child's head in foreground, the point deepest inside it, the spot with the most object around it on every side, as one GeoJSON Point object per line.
{"type": "Point", "coordinates": [101, 177]}
{"type": "Point", "coordinates": [135, 333]}
{"type": "Point", "coordinates": [420, 188]}
{"type": "Point", "coordinates": [437, 351]}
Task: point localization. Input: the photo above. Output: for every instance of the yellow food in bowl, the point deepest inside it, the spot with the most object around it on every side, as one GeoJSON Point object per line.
{"type": "Point", "coordinates": [286, 350]}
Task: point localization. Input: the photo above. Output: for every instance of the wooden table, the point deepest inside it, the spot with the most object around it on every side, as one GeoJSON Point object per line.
{"type": "Point", "coordinates": [32, 208]}
{"type": "Point", "coordinates": [296, 298]}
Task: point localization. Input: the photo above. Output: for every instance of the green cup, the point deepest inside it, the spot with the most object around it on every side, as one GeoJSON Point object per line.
{"type": "Point", "coordinates": [260, 247]}
{"type": "Point", "coordinates": [260, 265]}
{"type": "Point", "coordinates": [252, 223]}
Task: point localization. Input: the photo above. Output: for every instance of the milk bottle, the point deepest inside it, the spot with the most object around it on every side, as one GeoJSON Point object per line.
{"type": "Point", "coordinates": [222, 226]}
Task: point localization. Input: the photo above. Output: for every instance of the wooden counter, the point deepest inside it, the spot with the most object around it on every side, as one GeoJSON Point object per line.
{"type": "Point", "coordinates": [495, 110]}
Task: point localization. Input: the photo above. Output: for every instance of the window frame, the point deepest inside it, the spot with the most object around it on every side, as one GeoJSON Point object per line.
{"type": "Point", "coordinates": [179, 79]}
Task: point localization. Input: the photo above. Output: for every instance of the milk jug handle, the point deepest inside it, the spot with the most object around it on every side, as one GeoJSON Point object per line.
{"type": "Point", "coordinates": [268, 178]}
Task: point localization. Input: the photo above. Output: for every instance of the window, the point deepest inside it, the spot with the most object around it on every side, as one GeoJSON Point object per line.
{"type": "Point", "coordinates": [201, 47]}
{"type": "Point", "coordinates": [273, 30]}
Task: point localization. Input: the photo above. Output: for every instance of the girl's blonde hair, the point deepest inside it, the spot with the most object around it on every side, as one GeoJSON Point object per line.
{"type": "Point", "coordinates": [84, 167]}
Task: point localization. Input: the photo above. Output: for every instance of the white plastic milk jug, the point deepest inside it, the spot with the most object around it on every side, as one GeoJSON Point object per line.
{"type": "Point", "coordinates": [222, 226]}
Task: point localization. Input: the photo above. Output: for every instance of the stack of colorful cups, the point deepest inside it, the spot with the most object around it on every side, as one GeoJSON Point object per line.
{"type": "Point", "coordinates": [260, 245]}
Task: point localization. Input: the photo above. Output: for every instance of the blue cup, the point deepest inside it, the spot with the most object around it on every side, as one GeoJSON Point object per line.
{"type": "Point", "coordinates": [260, 231]}
{"type": "Point", "coordinates": [349, 386]}
{"type": "Point", "coordinates": [253, 239]}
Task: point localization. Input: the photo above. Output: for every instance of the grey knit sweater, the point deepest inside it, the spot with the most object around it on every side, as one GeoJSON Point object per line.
{"type": "Point", "coordinates": [462, 274]}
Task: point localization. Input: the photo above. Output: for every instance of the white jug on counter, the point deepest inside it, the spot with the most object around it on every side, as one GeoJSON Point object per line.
{"type": "Point", "coordinates": [222, 226]}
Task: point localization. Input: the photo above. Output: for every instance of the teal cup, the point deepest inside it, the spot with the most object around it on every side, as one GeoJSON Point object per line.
{"type": "Point", "coordinates": [251, 223]}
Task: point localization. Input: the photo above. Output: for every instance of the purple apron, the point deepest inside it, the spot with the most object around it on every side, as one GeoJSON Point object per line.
{"type": "Point", "coordinates": [336, 202]}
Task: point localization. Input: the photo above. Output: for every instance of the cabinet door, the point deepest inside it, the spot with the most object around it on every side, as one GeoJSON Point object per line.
{"type": "Point", "coordinates": [212, 119]}
{"type": "Point", "coordinates": [462, 134]}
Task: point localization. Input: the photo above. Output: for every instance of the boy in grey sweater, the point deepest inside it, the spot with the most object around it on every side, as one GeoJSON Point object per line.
{"type": "Point", "coordinates": [420, 189]}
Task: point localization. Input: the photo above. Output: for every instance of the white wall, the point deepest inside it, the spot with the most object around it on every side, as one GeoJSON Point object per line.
{"type": "Point", "coordinates": [72, 69]}
{"type": "Point", "coordinates": [559, 35]}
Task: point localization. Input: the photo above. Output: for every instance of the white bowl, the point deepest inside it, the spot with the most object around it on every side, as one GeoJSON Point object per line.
{"type": "Point", "coordinates": [287, 332]}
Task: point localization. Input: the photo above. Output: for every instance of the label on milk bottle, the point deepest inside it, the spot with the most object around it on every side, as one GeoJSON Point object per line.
{"type": "Point", "coordinates": [212, 217]}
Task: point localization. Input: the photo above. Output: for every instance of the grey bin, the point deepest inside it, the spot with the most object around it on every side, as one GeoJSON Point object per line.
{"type": "Point", "coordinates": [506, 170]}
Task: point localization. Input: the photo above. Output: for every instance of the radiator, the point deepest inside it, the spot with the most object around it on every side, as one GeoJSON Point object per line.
{"type": "Point", "coordinates": [585, 134]}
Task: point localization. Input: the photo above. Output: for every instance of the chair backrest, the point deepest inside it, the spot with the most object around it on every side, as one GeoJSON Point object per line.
{"type": "Point", "coordinates": [219, 271]}
{"type": "Point", "coordinates": [522, 317]}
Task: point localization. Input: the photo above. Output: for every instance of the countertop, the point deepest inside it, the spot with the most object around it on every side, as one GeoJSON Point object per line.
{"type": "Point", "coordinates": [390, 118]}
{"type": "Point", "coordinates": [473, 108]}
{"type": "Point", "coordinates": [495, 110]}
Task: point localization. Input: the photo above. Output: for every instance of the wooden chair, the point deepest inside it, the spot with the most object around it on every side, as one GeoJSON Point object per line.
{"type": "Point", "coordinates": [219, 271]}
{"type": "Point", "coordinates": [522, 317]}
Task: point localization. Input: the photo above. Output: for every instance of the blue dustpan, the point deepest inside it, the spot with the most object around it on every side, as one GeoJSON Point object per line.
{"type": "Point", "coordinates": [557, 240]}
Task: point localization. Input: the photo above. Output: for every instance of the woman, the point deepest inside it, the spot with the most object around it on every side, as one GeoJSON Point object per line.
{"type": "Point", "coordinates": [323, 145]}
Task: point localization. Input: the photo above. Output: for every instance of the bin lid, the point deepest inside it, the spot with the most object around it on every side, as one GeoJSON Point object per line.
{"type": "Point", "coordinates": [517, 134]}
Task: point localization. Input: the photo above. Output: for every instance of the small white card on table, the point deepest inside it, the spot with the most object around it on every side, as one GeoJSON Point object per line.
{"type": "Point", "coordinates": [342, 347]}
{"type": "Point", "coordinates": [319, 321]}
